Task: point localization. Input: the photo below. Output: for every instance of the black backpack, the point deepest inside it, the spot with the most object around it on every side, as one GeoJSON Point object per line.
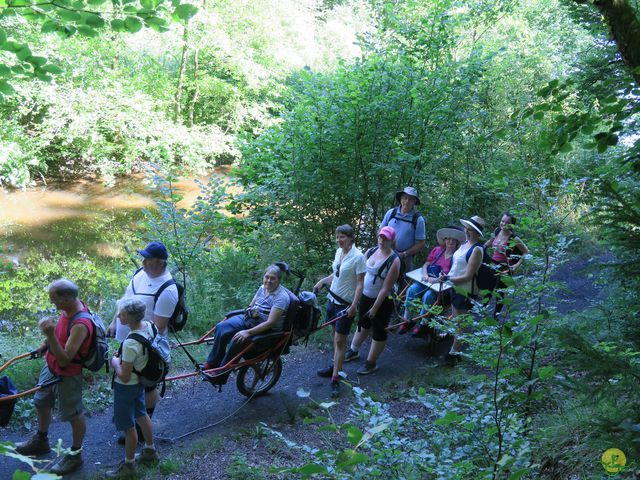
{"type": "Point", "coordinates": [98, 353]}
{"type": "Point", "coordinates": [308, 315]}
{"type": "Point", "coordinates": [485, 278]}
{"type": "Point", "coordinates": [159, 352]}
{"type": "Point", "coordinates": [386, 265]}
{"type": "Point", "coordinates": [414, 219]}
{"type": "Point", "coordinates": [178, 318]}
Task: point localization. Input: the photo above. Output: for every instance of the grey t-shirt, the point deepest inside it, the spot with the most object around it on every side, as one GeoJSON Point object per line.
{"type": "Point", "coordinates": [264, 302]}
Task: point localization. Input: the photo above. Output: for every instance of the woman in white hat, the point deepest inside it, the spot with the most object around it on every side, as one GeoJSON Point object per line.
{"type": "Point", "coordinates": [439, 261]}
{"type": "Point", "coordinates": [466, 262]}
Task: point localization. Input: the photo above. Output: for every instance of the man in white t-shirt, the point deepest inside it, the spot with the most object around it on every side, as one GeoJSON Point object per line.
{"type": "Point", "coordinates": [144, 285]}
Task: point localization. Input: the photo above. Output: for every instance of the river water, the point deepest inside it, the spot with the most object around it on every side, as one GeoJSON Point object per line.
{"type": "Point", "coordinates": [83, 215]}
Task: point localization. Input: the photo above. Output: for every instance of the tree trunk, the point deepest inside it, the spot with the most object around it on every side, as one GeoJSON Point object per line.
{"type": "Point", "coordinates": [196, 92]}
{"type": "Point", "coordinates": [181, 74]}
{"type": "Point", "coordinates": [625, 29]}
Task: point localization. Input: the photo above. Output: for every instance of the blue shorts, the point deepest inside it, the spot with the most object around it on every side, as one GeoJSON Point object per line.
{"type": "Point", "coordinates": [343, 325]}
{"type": "Point", "coordinates": [128, 404]}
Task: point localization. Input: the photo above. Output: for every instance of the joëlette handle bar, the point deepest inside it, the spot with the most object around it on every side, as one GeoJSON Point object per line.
{"type": "Point", "coordinates": [14, 360]}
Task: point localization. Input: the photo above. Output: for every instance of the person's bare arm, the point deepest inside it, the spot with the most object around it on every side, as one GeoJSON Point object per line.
{"type": "Point", "coordinates": [64, 354]}
{"type": "Point", "coordinates": [356, 296]}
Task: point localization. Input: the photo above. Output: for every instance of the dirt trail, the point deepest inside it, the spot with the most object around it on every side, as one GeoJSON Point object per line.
{"type": "Point", "coordinates": [192, 404]}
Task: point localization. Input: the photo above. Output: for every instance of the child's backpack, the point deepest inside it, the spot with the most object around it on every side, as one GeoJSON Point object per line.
{"type": "Point", "coordinates": [178, 318]}
{"type": "Point", "coordinates": [159, 358]}
{"type": "Point", "coordinates": [386, 265]}
{"type": "Point", "coordinates": [98, 353]}
{"type": "Point", "coordinates": [308, 315]}
{"type": "Point", "coordinates": [485, 278]}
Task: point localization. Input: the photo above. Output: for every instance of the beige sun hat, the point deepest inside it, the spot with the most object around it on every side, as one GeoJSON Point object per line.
{"type": "Point", "coordinates": [477, 223]}
{"type": "Point", "coordinates": [451, 231]}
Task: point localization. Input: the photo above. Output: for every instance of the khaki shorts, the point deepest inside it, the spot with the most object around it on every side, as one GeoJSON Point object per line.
{"type": "Point", "coordinates": [68, 392]}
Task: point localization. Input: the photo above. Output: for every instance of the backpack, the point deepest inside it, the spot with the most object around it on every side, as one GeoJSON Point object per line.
{"type": "Point", "coordinates": [386, 265]}
{"type": "Point", "coordinates": [159, 357]}
{"type": "Point", "coordinates": [485, 278]}
{"type": "Point", "coordinates": [178, 318]}
{"type": "Point", "coordinates": [308, 315]}
{"type": "Point", "coordinates": [98, 353]}
{"type": "Point", "coordinates": [414, 219]}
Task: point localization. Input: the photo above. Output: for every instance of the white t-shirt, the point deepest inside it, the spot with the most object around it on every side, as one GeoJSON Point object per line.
{"type": "Point", "coordinates": [134, 352]}
{"type": "Point", "coordinates": [351, 265]}
{"type": "Point", "coordinates": [145, 288]}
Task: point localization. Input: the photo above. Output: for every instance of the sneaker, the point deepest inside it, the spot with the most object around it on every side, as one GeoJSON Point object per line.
{"type": "Point", "coordinates": [335, 389]}
{"type": "Point", "coordinates": [350, 355]}
{"type": "Point", "coordinates": [148, 456]}
{"type": "Point", "coordinates": [68, 463]}
{"type": "Point", "coordinates": [325, 372]}
{"type": "Point", "coordinates": [124, 470]}
{"type": "Point", "coordinates": [36, 445]}
{"type": "Point", "coordinates": [367, 368]}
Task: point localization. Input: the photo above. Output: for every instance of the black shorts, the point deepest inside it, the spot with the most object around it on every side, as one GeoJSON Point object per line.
{"type": "Point", "coordinates": [343, 325]}
{"type": "Point", "coordinates": [461, 302]}
{"type": "Point", "coordinates": [380, 322]}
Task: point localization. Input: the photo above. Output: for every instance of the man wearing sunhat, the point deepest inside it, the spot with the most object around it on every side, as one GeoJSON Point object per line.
{"type": "Point", "coordinates": [409, 226]}
{"type": "Point", "coordinates": [144, 285]}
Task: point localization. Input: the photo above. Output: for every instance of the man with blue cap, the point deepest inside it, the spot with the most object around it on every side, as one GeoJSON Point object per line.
{"type": "Point", "coordinates": [154, 285]}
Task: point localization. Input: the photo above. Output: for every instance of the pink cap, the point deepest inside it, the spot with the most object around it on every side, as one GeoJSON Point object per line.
{"type": "Point", "coordinates": [388, 232]}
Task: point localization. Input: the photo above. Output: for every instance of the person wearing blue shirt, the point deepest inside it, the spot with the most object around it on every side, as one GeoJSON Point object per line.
{"type": "Point", "coordinates": [409, 225]}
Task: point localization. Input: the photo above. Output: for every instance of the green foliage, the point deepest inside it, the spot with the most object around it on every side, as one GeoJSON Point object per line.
{"type": "Point", "coordinates": [39, 467]}
{"type": "Point", "coordinates": [455, 441]}
{"type": "Point", "coordinates": [67, 18]}
{"type": "Point", "coordinates": [239, 470]}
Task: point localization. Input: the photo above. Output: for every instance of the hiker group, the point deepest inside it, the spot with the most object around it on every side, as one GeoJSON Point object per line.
{"type": "Point", "coordinates": [360, 285]}
{"type": "Point", "coordinates": [457, 270]}
{"type": "Point", "coordinates": [151, 306]}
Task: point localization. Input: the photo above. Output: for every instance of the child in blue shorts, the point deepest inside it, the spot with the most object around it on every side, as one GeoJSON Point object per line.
{"type": "Point", "coordinates": [128, 392]}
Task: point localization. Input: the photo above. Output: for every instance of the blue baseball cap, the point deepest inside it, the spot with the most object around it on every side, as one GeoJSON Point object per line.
{"type": "Point", "coordinates": [155, 250]}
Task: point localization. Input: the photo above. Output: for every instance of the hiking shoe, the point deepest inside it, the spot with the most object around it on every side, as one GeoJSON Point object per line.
{"type": "Point", "coordinates": [148, 456]}
{"type": "Point", "coordinates": [367, 368]}
{"type": "Point", "coordinates": [350, 355]}
{"type": "Point", "coordinates": [68, 463]}
{"type": "Point", "coordinates": [36, 445]}
{"type": "Point", "coordinates": [325, 372]}
{"type": "Point", "coordinates": [335, 389]}
{"type": "Point", "coordinates": [124, 470]}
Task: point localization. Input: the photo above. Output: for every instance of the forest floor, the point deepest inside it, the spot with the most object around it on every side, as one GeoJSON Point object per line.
{"type": "Point", "coordinates": [226, 434]}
